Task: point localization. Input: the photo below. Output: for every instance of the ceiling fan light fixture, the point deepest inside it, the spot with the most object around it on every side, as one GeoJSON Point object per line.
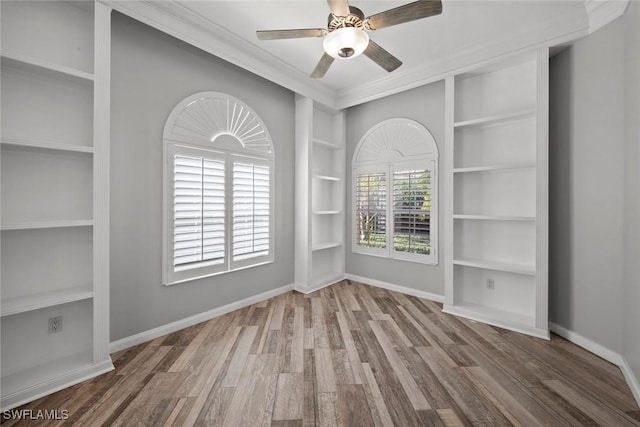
{"type": "Point", "coordinates": [346, 42]}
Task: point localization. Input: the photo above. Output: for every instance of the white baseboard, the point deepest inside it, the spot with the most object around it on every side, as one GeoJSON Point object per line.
{"type": "Point", "coordinates": [632, 380]}
{"type": "Point", "coordinates": [587, 344]}
{"type": "Point", "coordinates": [58, 383]}
{"type": "Point", "coordinates": [396, 288]}
{"type": "Point", "coordinates": [309, 289]}
{"type": "Point", "coordinates": [603, 352]}
{"type": "Point", "coordinates": [154, 333]}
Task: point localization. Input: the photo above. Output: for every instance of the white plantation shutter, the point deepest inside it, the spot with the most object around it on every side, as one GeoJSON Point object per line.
{"type": "Point", "coordinates": [199, 211]}
{"type": "Point", "coordinates": [251, 209]}
{"type": "Point", "coordinates": [371, 210]}
{"type": "Point", "coordinates": [396, 178]}
{"type": "Point", "coordinates": [217, 188]}
{"type": "Point", "coordinates": [412, 211]}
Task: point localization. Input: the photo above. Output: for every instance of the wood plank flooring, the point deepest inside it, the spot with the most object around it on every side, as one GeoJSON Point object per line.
{"type": "Point", "coordinates": [349, 355]}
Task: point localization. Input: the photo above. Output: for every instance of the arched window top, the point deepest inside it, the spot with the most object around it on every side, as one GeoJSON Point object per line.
{"type": "Point", "coordinates": [215, 119]}
{"type": "Point", "coordinates": [395, 192]}
{"type": "Point", "coordinates": [395, 140]}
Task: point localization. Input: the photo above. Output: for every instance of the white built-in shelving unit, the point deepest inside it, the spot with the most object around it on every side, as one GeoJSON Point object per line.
{"type": "Point", "coordinates": [54, 169]}
{"type": "Point", "coordinates": [320, 172]}
{"type": "Point", "coordinates": [497, 202]}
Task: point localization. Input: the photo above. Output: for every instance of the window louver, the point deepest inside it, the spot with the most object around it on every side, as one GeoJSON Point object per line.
{"type": "Point", "coordinates": [251, 210]}
{"type": "Point", "coordinates": [412, 211]}
{"type": "Point", "coordinates": [199, 212]}
{"type": "Point", "coordinates": [371, 210]}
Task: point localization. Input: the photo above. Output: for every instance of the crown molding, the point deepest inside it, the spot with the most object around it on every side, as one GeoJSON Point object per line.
{"type": "Point", "coordinates": [174, 19]}
{"type": "Point", "coordinates": [602, 12]}
{"type": "Point", "coordinates": [561, 29]}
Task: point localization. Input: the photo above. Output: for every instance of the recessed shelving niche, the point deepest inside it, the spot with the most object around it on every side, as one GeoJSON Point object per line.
{"type": "Point", "coordinates": [54, 177]}
{"type": "Point", "coordinates": [320, 171]}
{"type": "Point", "coordinates": [496, 267]}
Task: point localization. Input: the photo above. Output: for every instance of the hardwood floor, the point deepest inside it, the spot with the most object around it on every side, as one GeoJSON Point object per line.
{"type": "Point", "coordinates": [349, 355]}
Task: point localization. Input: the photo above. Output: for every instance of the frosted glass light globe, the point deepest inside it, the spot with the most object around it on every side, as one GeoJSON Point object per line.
{"type": "Point", "coordinates": [347, 42]}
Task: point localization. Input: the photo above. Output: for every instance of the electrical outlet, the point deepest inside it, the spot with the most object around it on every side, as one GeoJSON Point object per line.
{"type": "Point", "coordinates": [55, 324]}
{"type": "Point", "coordinates": [491, 285]}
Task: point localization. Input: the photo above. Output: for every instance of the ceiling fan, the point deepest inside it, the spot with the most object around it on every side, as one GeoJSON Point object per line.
{"type": "Point", "coordinates": [347, 30]}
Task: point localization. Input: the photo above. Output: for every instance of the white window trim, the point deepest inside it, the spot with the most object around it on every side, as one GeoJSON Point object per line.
{"type": "Point", "coordinates": [426, 160]}
{"type": "Point", "coordinates": [202, 140]}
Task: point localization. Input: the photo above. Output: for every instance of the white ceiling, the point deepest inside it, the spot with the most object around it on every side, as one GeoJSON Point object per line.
{"type": "Point", "coordinates": [467, 32]}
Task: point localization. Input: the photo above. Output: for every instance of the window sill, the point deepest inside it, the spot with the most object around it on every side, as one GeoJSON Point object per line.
{"type": "Point", "coordinates": [391, 258]}
{"type": "Point", "coordinates": [219, 273]}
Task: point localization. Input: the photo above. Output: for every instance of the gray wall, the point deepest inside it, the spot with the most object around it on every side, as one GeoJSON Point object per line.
{"type": "Point", "coordinates": [594, 189]}
{"type": "Point", "coordinates": [151, 73]}
{"type": "Point", "coordinates": [425, 105]}
{"type": "Point", "coordinates": [631, 345]}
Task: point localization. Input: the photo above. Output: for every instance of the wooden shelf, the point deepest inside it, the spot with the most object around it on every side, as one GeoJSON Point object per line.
{"type": "Point", "coordinates": [45, 299]}
{"type": "Point", "coordinates": [327, 212]}
{"type": "Point", "coordinates": [498, 118]}
{"type": "Point", "coordinates": [501, 318]}
{"type": "Point", "coordinates": [34, 225]}
{"type": "Point", "coordinates": [54, 222]}
{"type": "Point", "coordinates": [53, 146]}
{"type": "Point", "coordinates": [495, 217]}
{"type": "Point", "coordinates": [490, 168]}
{"type": "Point", "coordinates": [34, 376]}
{"type": "Point", "coordinates": [327, 178]}
{"type": "Point", "coordinates": [29, 64]}
{"type": "Point", "coordinates": [528, 270]}
{"type": "Point", "coordinates": [327, 278]}
{"type": "Point", "coordinates": [326, 144]}
{"type": "Point", "coordinates": [326, 245]}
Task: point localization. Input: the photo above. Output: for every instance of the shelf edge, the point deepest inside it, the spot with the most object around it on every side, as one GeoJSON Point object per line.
{"type": "Point", "coordinates": [525, 270]}
{"type": "Point", "coordinates": [491, 168]}
{"type": "Point", "coordinates": [37, 225]}
{"type": "Point", "coordinates": [524, 114]}
{"type": "Point", "coordinates": [52, 301]}
{"type": "Point", "coordinates": [25, 60]}
{"type": "Point", "coordinates": [53, 146]}
{"type": "Point", "coordinates": [494, 217]}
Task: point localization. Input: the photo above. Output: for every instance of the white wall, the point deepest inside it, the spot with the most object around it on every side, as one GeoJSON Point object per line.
{"type": "Point", "coordinates": [586, 258]}
{"type": "Point", "coordinates": [631, 344]}
{"type": "Point", "coordinates": [595, 189]}
{"type": "Point", "coordinates": [151, 73]}
{"type": "Point", "coordinates": [425, 105]}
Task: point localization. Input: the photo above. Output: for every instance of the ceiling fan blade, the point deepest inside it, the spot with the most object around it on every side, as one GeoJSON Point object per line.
{"type": "Point", "coordinates": [381, 57]}
{"type": "Point", "coordinates": [401, 14]}
{"type": "Point", "coordinates": [290, 34]}
{"type": "Point", "coordinates": [322, 66]}
{"type": "Point", "coordinates": [339, 7]}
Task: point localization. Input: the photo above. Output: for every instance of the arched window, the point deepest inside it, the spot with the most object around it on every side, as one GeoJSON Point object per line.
{"type": "Point", "coordinates": [395, 183]}
{"type": "Point", "coordinates": [218, 188]}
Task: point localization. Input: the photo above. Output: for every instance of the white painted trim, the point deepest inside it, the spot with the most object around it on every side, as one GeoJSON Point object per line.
{"type": "Point", "coordinates": [571, 28]}
{"type": "Point", "coordinates": [101, 180]}
{"type": "Point", "coordinates": [479, 316]}
{"type": "Point", "coordinates": [587, 344]}
{"type": "Point", "coordinates": [603, 352]}
{"type": "Point", "coordinates": [56, 384]}
{"type": "Point", "coordinates": [174, 19]}
{"type": "Point", "coordinates": [602, 12]}
{"type": "Point", "coordinates": [396, 288]}
{"type": "Point", "coordinates": [159, 331]}
{"type": "Point", "coordinates": [632, 381]}
{"type": "Point", "coordinates": [313, 288]}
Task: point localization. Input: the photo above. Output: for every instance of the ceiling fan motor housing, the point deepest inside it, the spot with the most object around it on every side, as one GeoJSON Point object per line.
{"type": "Point", "coordinates": [355, 19]}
